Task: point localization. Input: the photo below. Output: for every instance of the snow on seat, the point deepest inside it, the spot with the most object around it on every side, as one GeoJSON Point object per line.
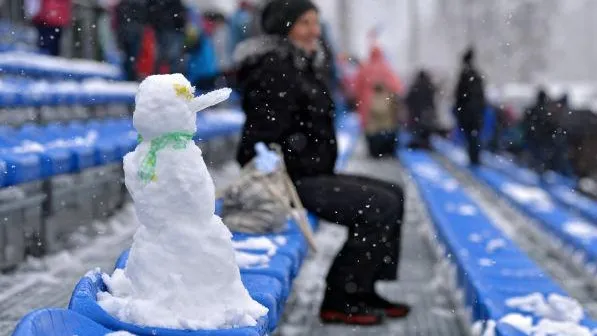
{"type": "Point", "coordinates": [561, 188]}
{"type": "Point", "coordinates": [500, 283]}
{"type": "Point", "coordinates": [266, 289]}
{"type": "Point", "coordinates": [37, 65]}
{"type": "Point", "coordinates": [574, 200]}
{"type": "Point", "coordinates": [84, 301]}
{"type": "Point", "coordinates": [557, 220]}
{"type": "Point", "coordinates": [58, 322]}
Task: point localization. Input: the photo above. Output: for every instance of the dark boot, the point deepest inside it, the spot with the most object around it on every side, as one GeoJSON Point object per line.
{"type": "Point", "coordinates": [391, 310]}
{"type": "Point", "coordinates": [348, 309]}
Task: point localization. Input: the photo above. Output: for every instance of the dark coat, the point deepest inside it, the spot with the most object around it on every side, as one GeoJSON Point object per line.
{"type": "Point", "coordinates": [470, 99]}
{"type": "Point", "coordinates": [540, 122]}
{"type": "Point", "coordinates": [286, 101]}
{"type": "Point", "coordinates": [131, 12]}
{"type": "Point", "coordinates": [167, 15]}
{"type": "Point", "coordinates": [421, 103]}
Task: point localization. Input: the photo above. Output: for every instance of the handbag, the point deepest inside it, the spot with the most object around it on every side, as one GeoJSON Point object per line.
{"type": "Point", "coordinates": [261, 202]}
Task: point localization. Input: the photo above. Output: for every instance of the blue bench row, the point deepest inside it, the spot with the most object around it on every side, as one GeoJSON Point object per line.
{"type": "Point", "coordinates": [269, 284]}
{"type": "Point", "coordinates": [36, 152]}
{"type": "Point", "coordinates": [561, 188]}
{"type": "Point", "coordinates": [562, 224]}
{"type": "Point", "coordinates": [45, 66]}
{"type": "Point", "coordinates": [490, 268]}
{"type": "Point", "coordinates": [19, 92]}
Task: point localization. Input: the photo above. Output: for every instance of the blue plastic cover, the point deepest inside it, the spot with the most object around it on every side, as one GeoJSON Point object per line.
{"type": "Point", "coordinates": [84, 301]}
{"type": "Point", "coordinates": [58, 322]}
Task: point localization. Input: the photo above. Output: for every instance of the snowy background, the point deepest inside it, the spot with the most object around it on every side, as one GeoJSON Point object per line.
{"type": "Point", "coordinates": [519, 40]}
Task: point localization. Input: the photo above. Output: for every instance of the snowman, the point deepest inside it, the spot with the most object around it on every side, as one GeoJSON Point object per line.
{"type": "Point", "coordinates": [181, 272]}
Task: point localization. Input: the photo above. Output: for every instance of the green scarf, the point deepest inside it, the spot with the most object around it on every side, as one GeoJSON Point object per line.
{"type": "Point", "coordinates": [178, 140]}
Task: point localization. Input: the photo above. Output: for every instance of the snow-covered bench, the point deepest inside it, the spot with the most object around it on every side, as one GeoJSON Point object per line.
{"type": "Point", "coordinates": [25, 100]}
{"type": "Point", "coordinates": [562, 189]}
{"type": "Point", "coordinates": [501, 287]}
{"type": "Point", "coordinates": [56, 178]}
{"type": "Point", "coordinates": [577, 235]}
{"type": "Point", "coordinates": [45, 66]}
{"type": "Point", "coordinates": [269, 263]}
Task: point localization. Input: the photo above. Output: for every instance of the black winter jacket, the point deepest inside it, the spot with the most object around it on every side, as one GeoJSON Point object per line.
{"type": "Point", "coordinates": [166, 15]}
{"type": "Point", "coordinates": [470, 98]}
{"type": "Point", "coordinates": [286, 101]}
{"type": "Point", "coordinates": [421, 103]}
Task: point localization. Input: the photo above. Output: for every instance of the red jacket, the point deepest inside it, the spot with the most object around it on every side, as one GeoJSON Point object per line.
{"type": "Point", "coordinates": [54, 13]}
{"type": "Point", "coordinates": [375, 71]}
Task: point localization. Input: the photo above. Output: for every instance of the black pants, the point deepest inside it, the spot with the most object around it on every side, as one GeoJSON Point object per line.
{"type": "Point", "coordinates": [372, 211]}
{"type": "Point", "coordinates": [131, 38]}
{"type": "Point", "coordinates": [474, 146]}
{"type": "Point", "coordinates": [49, 39]}
{"type": "Point", "coordinates": [382, 143]}
{"type": "Point", "coordinates": [421, 137]}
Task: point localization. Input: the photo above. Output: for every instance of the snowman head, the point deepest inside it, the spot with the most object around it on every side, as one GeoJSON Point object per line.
{"type": "Point", "coordinates": [163, 105]}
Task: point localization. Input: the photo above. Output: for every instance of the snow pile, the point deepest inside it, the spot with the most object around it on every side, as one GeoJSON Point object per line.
{"type": "Point", "coordinates": [260, 244]}
{"type": "Point", "coordinates": [58, 64]}
{"type": "Point", "coordinates": [464, 209]}
{"type": "Point", "coordinates": [572, 197]}
{"type": "Point", "coordinates": [557, 316]}
{"type": "Point", "coordinates": [475, 237]}
{"type": "Point", "coordinates": [29, 146]}
{"type": "Point", "coordinates": [556, 307]}
{"type": "Point", "coordinates": [534, 196]}
{"type": "Point", "coordinates": [244, 259]}
{"type": "Point", "coordinates": [182, 271]}
{"type": "Point", "coordinates": [120, 333]}
{"type": "Point", "coordinates": [485, 262]}
{"type": "Point", "coordinates": [458, 155]}
{"type": "Point", "coordinates": [432, 173]}
{"type": "Point", "coordinates": [581, 229]}
{"type": "Point", "coordinates": [545, 327]}
{"type": "Point", "coordinates": [495, 244]}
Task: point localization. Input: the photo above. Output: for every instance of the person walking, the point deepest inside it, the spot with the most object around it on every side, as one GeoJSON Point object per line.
{"type": "Point", "coordinates": [470, 104]}
{"type": "Point", "coordinates": [287, 101]}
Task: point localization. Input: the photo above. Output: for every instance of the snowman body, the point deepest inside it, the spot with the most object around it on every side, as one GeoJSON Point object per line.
{"type": "Point", "coordinates": [182, 262]}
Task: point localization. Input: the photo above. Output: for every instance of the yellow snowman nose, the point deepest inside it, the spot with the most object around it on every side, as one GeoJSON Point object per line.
{"type": "Point", "coordinates": [184, 91]}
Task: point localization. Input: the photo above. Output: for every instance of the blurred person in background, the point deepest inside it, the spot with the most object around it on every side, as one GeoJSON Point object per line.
{"type": "Point", "coordinates": [421, 106]}
{"type": "Point", "coordinates": [50, 17]}
{"type": "Point", "coordinates": [216, 27]}
{"type": "Point", "coordinates": [470, 105]}
{"type": "Point", "coordinates": [168, 20]}
{"type": "Point", "coordinates": [381, 125]}
{"type": "Point", "coordinates": [202, 65]}
{"type": "Point", "coordinates": [131, 16]}
{"type": "Point", "coordinates": [242, 24]}
{"type": "Point", "coordinates": [375, 70]}
{"type": "Point", "coordinates": [106, 32]}
{"type": "Point", "coordinates": [348, 66]}
{"type": "Point", "coordinates": [539, 130]}
{"type": "Point", "coordinates": [561, 159]}
{"type": "Point", "coordinates": [287, 101]}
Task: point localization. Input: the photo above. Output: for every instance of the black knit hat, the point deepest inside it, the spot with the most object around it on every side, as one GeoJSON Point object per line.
{"type": "Point", "coordinates": [279, 15]}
